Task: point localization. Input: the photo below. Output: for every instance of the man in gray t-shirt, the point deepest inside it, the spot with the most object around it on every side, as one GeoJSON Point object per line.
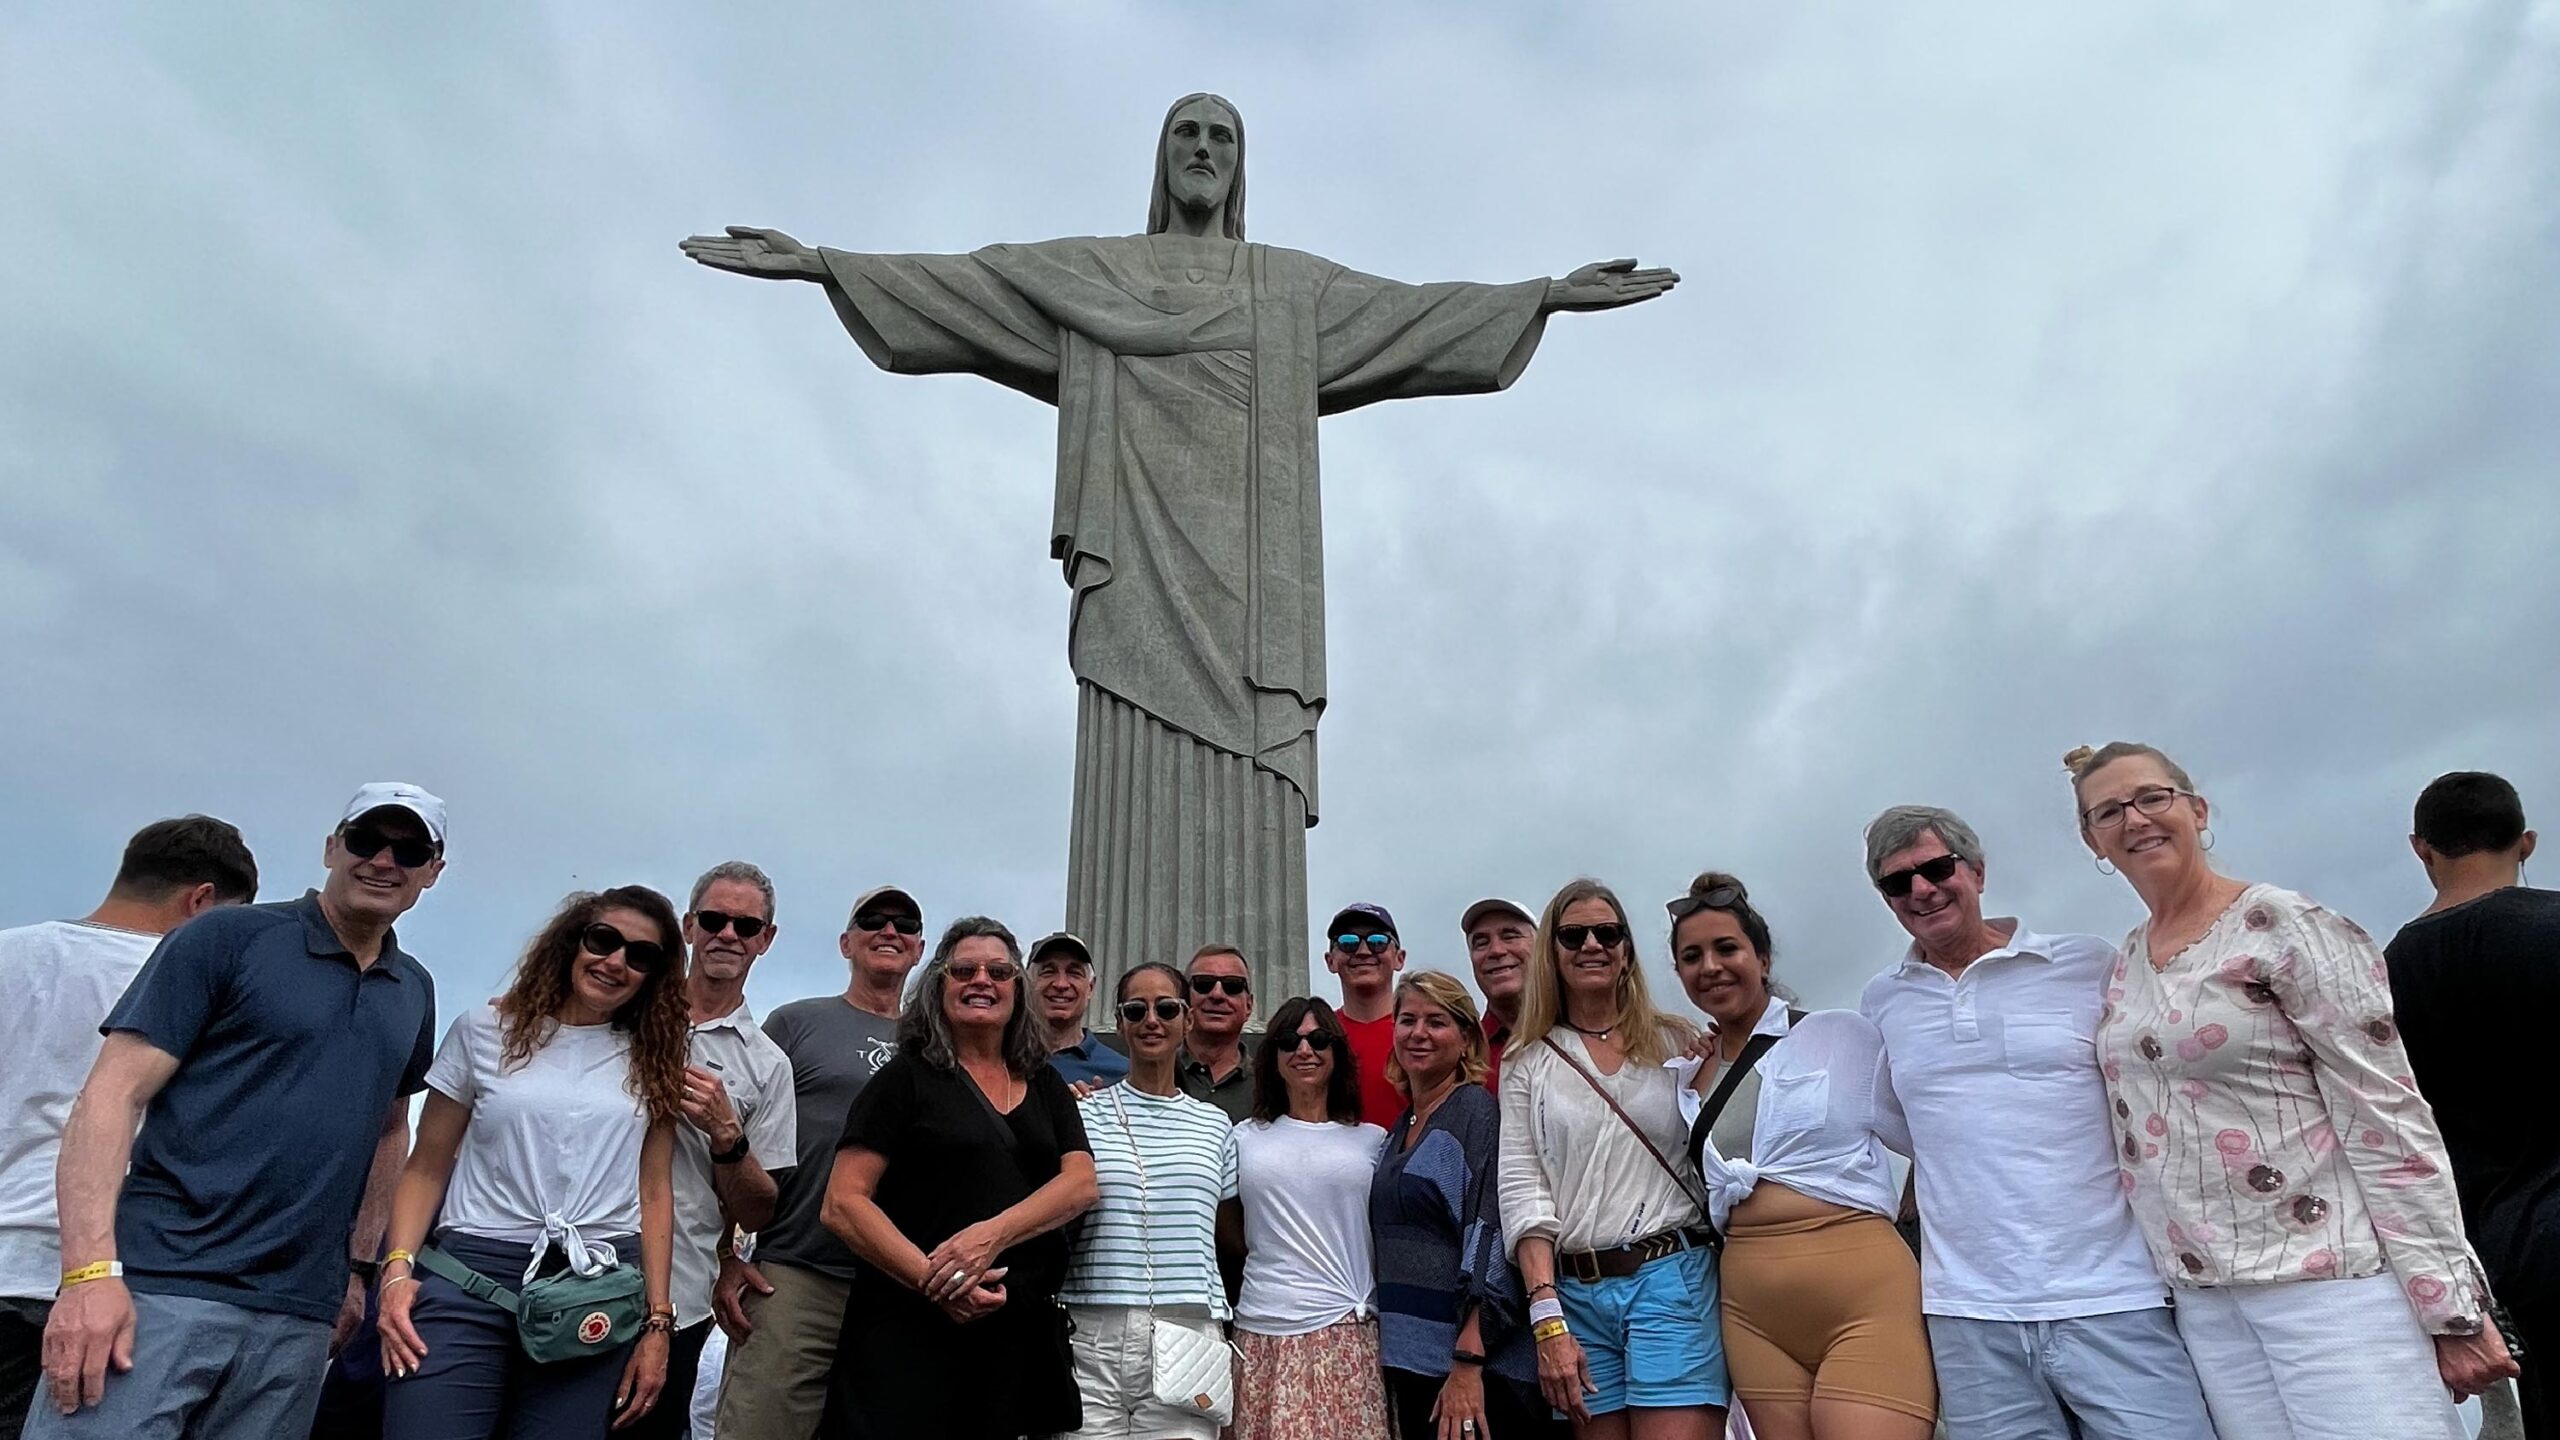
{"type": "Point", "coordinates": [784, 1309]}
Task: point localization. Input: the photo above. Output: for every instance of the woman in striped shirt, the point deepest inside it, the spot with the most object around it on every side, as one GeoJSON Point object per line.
{"type": "Point", "coordinates": [1148, 1250]}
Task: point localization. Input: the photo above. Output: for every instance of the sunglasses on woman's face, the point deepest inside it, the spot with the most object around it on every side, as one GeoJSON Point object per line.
{"type": "Point", "coordinates": [715, 921]}
{"type": "Point", "coordinates": [1572, 936]}
{"type": "Point", "coordinates": [1232, 984]}
{"type": "Point", "coordinates": [1318, 1041]}
{"type": "Point", "coordinates": [1897, 884]}
{"type": "Point", "coordinates": [1134, 1012]}
{"type": "Point", "coordinates": [1003, 972]}
{"type": "Point", "coordinates": [601, 940]}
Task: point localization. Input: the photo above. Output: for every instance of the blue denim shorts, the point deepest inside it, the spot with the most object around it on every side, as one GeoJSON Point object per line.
{"type": "Point", "coordinates": [1653, 1339]}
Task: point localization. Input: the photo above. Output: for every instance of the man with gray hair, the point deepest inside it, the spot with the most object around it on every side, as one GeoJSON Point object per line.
{"type": "Point", "coordinates": [2046, 1318]}
{"type": "Point", "coordinates": [741, 1131]}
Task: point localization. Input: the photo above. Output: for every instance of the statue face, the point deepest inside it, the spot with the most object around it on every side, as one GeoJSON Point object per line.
{"type": "Point", "coordinates": [1200, 155]}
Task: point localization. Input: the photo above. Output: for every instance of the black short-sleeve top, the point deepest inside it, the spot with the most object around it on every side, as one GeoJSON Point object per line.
{"type": "Point", "coordinates": [954, 1161]}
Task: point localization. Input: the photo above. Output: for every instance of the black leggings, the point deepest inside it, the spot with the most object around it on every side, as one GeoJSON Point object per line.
{"type": "Point", "coordinates": [1512, 1411]}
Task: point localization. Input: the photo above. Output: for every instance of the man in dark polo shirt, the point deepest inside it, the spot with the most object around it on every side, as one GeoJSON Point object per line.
{"type": "Point", "coordinates": [266, 1052]}
{"type": "Point", "coordinates": [1216, 1063]}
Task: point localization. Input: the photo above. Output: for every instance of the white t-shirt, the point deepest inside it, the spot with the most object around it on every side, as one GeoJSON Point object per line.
{"type": "Point", "coordinates": [558, 1136]}
{"type": "Point", "coordinates": [1157, 1221]}
{"type": "Point", "coordinates": [58, 980]}
{"type": "Point", "coordinates": [1304, 1186]}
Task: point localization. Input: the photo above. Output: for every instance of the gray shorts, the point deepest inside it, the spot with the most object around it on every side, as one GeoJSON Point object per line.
{"type": "Point", "coordinates": [202, 1370]}
{"type": "Point", "coordinates": [2120, 1377]}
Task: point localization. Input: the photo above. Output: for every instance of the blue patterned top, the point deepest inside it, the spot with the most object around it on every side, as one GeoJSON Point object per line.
{"type": "Point", "coordinates": [1435, 1216]}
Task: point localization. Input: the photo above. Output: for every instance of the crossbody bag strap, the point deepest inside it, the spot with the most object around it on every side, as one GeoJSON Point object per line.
{"type": "Point", "coordinates": [470, 1281]}
{"type": "Point", "coordinates": [1146, 1242]}
{"type": "Point", "coordinates": [1627, 1120]}
{"type": "Point", "coordinates": [1734, 1075]}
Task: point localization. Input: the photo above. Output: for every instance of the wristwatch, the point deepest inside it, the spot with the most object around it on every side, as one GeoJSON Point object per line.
{"type": "Point", "coordinates": [734, 1153]}
{"type": "Point", "coordinates": [364, 1270]}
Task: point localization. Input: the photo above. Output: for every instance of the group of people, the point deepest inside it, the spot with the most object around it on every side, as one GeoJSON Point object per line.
{"type": "Point", "coordinates": [2186, 1185]}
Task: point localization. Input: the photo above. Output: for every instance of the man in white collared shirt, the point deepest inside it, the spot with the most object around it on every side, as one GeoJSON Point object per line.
{"type": "Point", "coordinates": [2042, 1303]}
{"type": "Point", "coordinates": [744, 1124]}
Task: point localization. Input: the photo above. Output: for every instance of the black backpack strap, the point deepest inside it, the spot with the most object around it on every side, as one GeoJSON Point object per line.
{"type": "Point", "coordinates": [1752, 1050]}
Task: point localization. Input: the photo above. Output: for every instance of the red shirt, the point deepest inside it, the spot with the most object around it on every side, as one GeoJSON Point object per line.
{"type": "Point", "coordinates": [1371, 1042]}
{"type": "Point", "coordinates": [1497, 1033]}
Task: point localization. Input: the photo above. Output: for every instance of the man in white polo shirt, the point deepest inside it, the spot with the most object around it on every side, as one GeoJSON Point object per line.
{"type": "Point", "coordinates": [743, 1125]}
{"type": "Point", "coordinates": [2046, 1318]}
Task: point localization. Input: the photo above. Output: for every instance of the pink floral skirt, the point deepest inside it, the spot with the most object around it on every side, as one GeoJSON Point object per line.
{"type": "Point", "coordinates": [1291, 1387]}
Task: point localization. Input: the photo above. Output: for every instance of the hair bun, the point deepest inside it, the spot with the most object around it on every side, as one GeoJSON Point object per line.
{"type": "Point", "coordinates": [2077, 759]}
{"type": "Point", "coordinates": [1718, 880]}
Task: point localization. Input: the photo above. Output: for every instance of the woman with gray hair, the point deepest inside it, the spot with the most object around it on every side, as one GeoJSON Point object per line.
{"type": "Point", "coordinates": [961, 1163]}
{"type": "Point", "coordinates": [2286, 1174]}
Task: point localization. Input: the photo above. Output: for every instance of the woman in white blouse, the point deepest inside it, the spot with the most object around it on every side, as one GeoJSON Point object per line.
{"type": "Point", "coordinates": [546, 1143]}
{"type": "Point", "coordinates": [1600, 1203]}
{"type": "Point", "coordinates": [1822, 1322]}
{"type": "Point", "coordinates": [2286, 1174]}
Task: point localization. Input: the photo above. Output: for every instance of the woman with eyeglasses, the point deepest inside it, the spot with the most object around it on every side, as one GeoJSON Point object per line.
{"type": "Point", "coordinates": [1147, 1253]}
{"type": "Point", "coordinates": [2287, 1175]}
{"type": "Point", "coordinates": [1600, 1202]}
{"type": "Point", "coordinates": [1453, 1325]}
{"type": "Point", "coordinates": [1822, 1326]}
{"type": "Point", "coordinates": [961, 1164]}
{"type": "Point", "coordinates": [545, 1145]}
{"type": "Point", "coordinates": [1307, 1320]}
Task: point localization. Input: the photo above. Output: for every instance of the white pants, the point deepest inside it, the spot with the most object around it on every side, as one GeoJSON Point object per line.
{"type": "Point", "coordinates": [1114, 1349]}
{"type": "Point", "coordinates": [704, 1402]}
{"type": "Point", "coordinates": [2316, 1360]}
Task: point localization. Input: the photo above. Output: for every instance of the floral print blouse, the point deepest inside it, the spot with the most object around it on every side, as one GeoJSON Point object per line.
{"type": "Point", "coordinates": [2267, 1127]}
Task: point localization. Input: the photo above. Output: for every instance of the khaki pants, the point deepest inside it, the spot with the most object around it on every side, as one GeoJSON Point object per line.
{"type": "Point", "coordinates": [776, 1384]}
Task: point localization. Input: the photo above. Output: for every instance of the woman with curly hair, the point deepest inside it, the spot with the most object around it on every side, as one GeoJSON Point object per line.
{"type": "Point", "coordinates": [545, 1145]}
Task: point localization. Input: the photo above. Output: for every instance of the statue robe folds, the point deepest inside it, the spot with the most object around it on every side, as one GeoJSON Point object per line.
{"type": "Point", "coordinates": [1188, 375]}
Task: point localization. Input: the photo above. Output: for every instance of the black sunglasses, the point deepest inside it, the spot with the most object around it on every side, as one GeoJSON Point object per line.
{"type": "Point", "coordinates": [1897, 884]}
{"type": "Point", "coordinates": [1167, 1009]}
{"type": "Point", "coordinates": [883, 920]}
{"type": "Point", "coordinates": [1354, 944]}
{"type": "Point", "coordinates": [1722, 897]}
{"type": "Point", "coordinates": [1572, 936]}
{"type": "Point", "coordinates": [1318, 1041]}
{"type": "Point", "coordinates": [715, 921]}
{"type": "Point", "coordinates": [364, 842]}
{"type": "Point", "coordinates": [600, 940]}
{"type": "Point", "coordinates": [1232, 984]}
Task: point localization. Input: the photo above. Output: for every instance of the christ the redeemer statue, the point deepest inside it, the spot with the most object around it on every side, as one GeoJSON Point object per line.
{"type": "Point", "coordinates": [1188, 369]}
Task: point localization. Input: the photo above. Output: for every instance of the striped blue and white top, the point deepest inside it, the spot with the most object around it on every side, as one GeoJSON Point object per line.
{"type": "Point", "coordinates": [1163, 1224]}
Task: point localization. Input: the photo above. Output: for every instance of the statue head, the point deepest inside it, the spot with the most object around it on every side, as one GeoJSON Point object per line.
{"type": "Point", "coordinates": [1200, 164]}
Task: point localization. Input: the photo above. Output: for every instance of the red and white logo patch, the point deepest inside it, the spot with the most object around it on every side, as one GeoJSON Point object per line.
{"type": "Point", "coordinates": [594, 1329]}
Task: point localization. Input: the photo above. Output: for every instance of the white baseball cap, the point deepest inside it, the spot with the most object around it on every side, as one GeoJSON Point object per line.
{"type": "Point", "coordinates": [397, 796]}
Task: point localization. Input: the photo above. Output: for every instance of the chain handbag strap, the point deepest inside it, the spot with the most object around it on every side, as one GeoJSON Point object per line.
{"type": "Point", "coordinates": [1629, 1121]}
{"type": "Point", "coordinates": [1146, 1203]}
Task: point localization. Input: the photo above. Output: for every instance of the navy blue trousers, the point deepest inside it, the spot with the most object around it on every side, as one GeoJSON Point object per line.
{"type": "Point", "coordinates": [477, 1382]}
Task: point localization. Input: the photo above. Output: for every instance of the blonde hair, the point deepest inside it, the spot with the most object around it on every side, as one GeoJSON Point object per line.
{"type": "Point", "coordinates": [1648, 1036]}
{"type": "Point", "coordinates": [2081, 762]}
{"type": "Point", "coordinates": [1442, 989]}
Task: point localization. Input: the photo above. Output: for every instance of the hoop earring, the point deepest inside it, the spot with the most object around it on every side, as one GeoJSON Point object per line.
{"type": "Point", "coordinates": [2104, 867]}
{"type": "Point", "coordinates": [2204, 837]}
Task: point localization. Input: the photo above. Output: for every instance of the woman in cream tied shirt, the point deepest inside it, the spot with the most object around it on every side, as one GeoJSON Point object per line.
{"type": "Point", "coordinates": [2285, 1172]}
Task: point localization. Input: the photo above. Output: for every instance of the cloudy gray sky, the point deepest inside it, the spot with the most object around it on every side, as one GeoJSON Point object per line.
{"type": "Point", "coordinates": [2040, 375]}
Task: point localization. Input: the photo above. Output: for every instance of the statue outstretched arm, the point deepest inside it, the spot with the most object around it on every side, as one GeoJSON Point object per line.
{"type": "Point", "coordinates": [1601, 285]}
{"type": "Point", "coordinates": [764, 254]}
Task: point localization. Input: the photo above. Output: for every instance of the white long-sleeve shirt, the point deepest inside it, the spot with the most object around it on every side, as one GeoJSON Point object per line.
{"type": "Point", "coordinates": [1825, 1119]}
{"type": "Point", "coordinates": [1571, 1171]}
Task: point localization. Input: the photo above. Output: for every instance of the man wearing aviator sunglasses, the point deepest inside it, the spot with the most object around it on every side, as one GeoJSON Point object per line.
{"type": "Point", "coordinates": [784, 1310]}
{"type": "Point", "coordinates": [1216, 1063]}
{"type": "Point", "coordinates": [2045, 1315]}
{"type": "Point", "coordinates": [1363, 952]}
{"type": "Point", "coordinates": [204, 1254]}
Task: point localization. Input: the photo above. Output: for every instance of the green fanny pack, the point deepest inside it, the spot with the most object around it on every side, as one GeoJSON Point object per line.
{"type": "Point", "coordinates": [564, 1316]}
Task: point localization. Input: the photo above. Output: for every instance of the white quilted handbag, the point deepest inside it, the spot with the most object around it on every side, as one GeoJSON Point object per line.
{"type": "Point", "coordinates": [1193, 1370]}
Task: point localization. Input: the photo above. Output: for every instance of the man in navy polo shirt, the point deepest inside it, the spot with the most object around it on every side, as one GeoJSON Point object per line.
{"type": "Point", "coordinates": [267, 1053]}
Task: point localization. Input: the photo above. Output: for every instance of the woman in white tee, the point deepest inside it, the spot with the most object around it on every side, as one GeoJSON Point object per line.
{"type": "Point", "coordinates": [1306, 1318]}
{"type": "Point", "coordinates": [545, 1143]}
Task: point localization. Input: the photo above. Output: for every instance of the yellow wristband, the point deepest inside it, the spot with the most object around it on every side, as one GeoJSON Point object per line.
{"type": "Point", "coordinates": [399, 1255]}
{"type": "Point", "coordinates": [1547, 1330]}
{"type": "Point", "coordinates": [96, 1270]}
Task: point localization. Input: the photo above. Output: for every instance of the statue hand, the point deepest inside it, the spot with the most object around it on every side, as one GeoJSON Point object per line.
{"type": "Point", "coordinates": [1606, 285]}
{"type": "Point", "coordinates": [764, 254]}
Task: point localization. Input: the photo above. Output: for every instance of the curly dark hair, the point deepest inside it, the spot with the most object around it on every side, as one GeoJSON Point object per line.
{"type": "Point", "coordinates": [1271, 1093]}
{"type": "Point", "coordinates": [656, 1018]}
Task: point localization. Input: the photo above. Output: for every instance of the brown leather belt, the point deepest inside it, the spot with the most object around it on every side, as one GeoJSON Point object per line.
{"type": "Point", "coordinates": [1624, 1260]}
